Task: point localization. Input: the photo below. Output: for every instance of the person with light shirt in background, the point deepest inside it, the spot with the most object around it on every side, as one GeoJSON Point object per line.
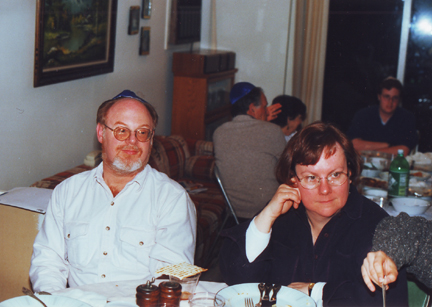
{"type": "Point", "coordinates": [291, 116]}
{"type": "Point", "coordinates": [120, 221]}
{"type": "Point", "coordinates": [385, 127]}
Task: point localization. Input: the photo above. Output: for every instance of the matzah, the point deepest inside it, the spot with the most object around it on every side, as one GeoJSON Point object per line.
{"type": "Point", "coordinates": [180, 270]}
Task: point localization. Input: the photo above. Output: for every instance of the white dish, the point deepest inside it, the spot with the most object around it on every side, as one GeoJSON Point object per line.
{"type": "Point", "coordinates": [374, 173]}
{"type": "Point", "coordinates": [410, 205]}
{"type": "Point", "coordinates": [235, 296]}
{"type": "Point", "coordinates": [376, 192]}
{"type": "Point", "coordinates": [379, 163]}
{"type": "Point", "coordinates": [384, 175]}
{"type": "Point", "coordinates": [120, 304]}
{"type": "Point", "coordinates": [424, 175]}
{"type": "Point", "coordinates": [49, 300]}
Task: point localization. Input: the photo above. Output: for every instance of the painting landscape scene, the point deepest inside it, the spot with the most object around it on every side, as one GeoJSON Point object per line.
{"type": "Point", "coordinates": [75, 33]}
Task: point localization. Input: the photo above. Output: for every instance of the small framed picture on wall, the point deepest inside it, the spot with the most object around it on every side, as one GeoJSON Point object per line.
{"type": "Point", "coordinates": [134, 20]}
{"type": "Point", "coordinates": [145, 41]}
{"type": "Point", "coordinates": [146, 12]}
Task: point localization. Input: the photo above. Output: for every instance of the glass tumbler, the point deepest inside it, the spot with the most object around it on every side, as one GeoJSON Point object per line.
{"type": "Point", "coordinates": [206, 299]}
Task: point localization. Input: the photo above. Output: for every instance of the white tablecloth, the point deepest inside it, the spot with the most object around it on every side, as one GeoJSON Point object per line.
{"type": "Point", "coordinates": [123, 291]}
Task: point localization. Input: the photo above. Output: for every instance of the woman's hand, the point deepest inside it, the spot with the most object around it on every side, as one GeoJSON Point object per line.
{"type": "Point", "coordinates": [378, 268]}
{"type": "Point", "coordinates": [284, 198]}
{"type": "Point", "coordinates": [273, 111]}
{"type": "Point", "coordinates": [301, 286]}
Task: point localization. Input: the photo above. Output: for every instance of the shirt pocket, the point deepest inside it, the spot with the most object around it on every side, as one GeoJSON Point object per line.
{"type": "Point", "coordinates": [77, 240]}
{"type": "Point", "coordinates": [136, 244]}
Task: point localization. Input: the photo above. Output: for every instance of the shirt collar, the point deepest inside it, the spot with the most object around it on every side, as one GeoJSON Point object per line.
{"type": "Point", "coordinates": [139, 178]}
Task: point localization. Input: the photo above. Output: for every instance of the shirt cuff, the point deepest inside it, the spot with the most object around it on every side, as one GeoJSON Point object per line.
{"type": "Point", "coordinates": [317, 293]}
{"type": "Point", "coordinates": [256, 241]}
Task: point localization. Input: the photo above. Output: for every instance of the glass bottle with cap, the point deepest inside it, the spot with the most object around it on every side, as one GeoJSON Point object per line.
{"type": "Point", "coordinates": [398, 176]}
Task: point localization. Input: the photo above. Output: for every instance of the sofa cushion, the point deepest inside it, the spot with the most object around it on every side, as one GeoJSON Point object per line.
{"type": "Point", "coordinates": [200, 167]}
{"type": "Point", "coordinates": [200, 147]}
{"type": "Point", "coordinates": [169, 154]}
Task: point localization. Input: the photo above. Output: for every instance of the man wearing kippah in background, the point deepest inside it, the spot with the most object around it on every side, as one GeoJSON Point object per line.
{"type": "Point", "coordinates": [247, 150]}
{"type": "Point", "coordinates": [120, 221]}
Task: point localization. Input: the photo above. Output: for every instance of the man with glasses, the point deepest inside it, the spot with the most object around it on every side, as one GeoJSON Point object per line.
{"type": "Point", "coordinates": [120, 221]}
{"type": "Point", "coordinates": [386, 127]}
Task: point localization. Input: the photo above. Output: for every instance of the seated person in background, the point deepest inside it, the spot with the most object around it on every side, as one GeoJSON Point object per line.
{"type": "Point", "coordinates": [316, 230]}
{"type": "Point", "coordinates": [247, 149]}
{"type": "Point", "coordinates": [400, 241]}
{"type": "Point", "coordinates": [385, 127]}
{"type": "Point", "coordinates": [122, 220]}
{"type": "Point", "coordinates": [292, 114]}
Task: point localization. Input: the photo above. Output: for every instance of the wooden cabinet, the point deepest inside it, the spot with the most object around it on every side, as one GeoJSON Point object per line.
{"type": "Point", "coordinates": [202, 82]}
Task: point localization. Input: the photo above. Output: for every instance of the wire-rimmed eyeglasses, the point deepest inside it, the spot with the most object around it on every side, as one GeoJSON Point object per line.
{"type": "Point", "coordinates": [334, 179]}
{"type": "Point", "coordinates": [123, 133]}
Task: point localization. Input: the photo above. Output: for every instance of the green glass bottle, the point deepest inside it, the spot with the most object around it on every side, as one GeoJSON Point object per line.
{"type": "Point", "coordinates": [398, 176]}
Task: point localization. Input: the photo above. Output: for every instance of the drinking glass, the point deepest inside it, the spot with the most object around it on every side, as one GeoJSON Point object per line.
{"type": "Point", "coordinates": [188, 284]}
{"type": "Point", "coordinates": [206, 299]}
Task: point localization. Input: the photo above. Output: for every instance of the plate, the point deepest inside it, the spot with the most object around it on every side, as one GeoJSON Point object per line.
{"type": "Point", "coordinates": [235, 296]}
{"type": "Point", "coordinates": [49, 300]}
{"type": "Point", "coordinates": [120, 304]}
{"type": "Point", "coordinates": [419, 175]}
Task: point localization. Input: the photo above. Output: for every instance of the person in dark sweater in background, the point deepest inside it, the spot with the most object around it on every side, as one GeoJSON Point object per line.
{"type": "Point", "coordinates": [291, 116]}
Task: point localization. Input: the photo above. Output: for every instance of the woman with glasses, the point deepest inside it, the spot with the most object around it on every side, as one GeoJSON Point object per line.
{"type": "Point", "coordinates": [316, 230]}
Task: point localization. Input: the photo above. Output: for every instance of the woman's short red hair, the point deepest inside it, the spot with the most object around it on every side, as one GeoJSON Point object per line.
{"type": "Point", "coordinates": [306, 147]}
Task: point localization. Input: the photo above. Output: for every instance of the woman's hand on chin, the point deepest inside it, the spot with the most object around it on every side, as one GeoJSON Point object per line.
{"type": "Point", "coordinates": [284, 198]}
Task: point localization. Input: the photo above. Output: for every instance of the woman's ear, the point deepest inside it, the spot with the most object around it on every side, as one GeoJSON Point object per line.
{"type": "Point", "coordinates": [293, 182]}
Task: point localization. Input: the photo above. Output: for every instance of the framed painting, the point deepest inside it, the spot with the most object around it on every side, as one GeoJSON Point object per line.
{"type": "Point", "coordinates": [146, 11]}
{"type": "Point", "coordinates": [134, 20]}
{"type": "Point", "coordinates": [145, 41]}
{"type": "Point", "coordinates": [74, 39]}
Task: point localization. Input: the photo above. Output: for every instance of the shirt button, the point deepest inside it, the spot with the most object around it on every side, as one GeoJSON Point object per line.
{"type": "Point", "coordinates": [107, 228]}
{"type": "Point", "coordinates": [326, 235]}
{"type": "Point", "coordinates": [112, 203]}
{"type": "Point", "coordinates": [105, 253]}
{"type": "Point", "coordinates": [141, 243]}
{"type": "Point", "coordinates": [103, 275]}
{"type": "Point", "coordinates": [316, 256]}
{"type": "Point", "coordinates": [68, 235]}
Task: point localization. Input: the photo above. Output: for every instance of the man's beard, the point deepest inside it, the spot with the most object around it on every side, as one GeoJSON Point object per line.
{"type": "Point", "coordinates": [122, 166]}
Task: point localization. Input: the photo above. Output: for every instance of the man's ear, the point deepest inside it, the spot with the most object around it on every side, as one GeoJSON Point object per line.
{"type": "Point", "coordinates": [251, 110]}
{"type": "Point", "coordinates": [99, 132]}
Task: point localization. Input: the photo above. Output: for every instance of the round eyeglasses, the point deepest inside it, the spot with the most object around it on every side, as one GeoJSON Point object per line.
{"type": "Point", "coordinates": [123, 133]}
{"type": "Point", "coordinates": [334, 179]}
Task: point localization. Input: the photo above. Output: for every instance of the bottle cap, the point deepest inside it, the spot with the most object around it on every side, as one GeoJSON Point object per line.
{"type": "Point", "coordinates": [400, 152]}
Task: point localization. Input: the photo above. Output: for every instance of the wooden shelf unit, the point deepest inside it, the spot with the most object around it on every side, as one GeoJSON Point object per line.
{"type": "Point", "coordinates": [201, 100]}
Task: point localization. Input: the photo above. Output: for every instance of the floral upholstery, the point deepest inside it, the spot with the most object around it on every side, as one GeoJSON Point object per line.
{"type": "Point", "coordinates": [180, 159]}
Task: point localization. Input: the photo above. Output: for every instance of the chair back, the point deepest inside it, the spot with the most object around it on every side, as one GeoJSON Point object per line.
{"type": "Point", "coordinates": [217, 175]}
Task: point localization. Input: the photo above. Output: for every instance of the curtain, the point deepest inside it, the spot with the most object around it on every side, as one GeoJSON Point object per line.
{"type": "Point", "coordinates": [309, 54]}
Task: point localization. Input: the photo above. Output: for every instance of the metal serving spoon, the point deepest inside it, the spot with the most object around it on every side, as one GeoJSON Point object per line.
{"type": "Point", "coordinates": [31, 294]}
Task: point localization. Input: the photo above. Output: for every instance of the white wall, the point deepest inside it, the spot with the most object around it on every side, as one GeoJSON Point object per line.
{"type": "Point", "coordinates": [51, 128]}
{"type": "Point", "coordinates": [260, 32]}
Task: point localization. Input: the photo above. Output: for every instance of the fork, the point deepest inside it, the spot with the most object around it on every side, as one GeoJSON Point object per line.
{"type": "Point", "coordinates": [249, 302]}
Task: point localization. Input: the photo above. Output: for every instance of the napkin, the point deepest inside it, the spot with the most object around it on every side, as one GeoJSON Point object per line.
{"type": "Point", "coordinates": [91, 298]}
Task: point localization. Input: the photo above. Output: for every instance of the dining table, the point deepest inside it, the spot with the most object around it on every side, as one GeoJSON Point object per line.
{"type": "Point", "coordinates": [122, 293]}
